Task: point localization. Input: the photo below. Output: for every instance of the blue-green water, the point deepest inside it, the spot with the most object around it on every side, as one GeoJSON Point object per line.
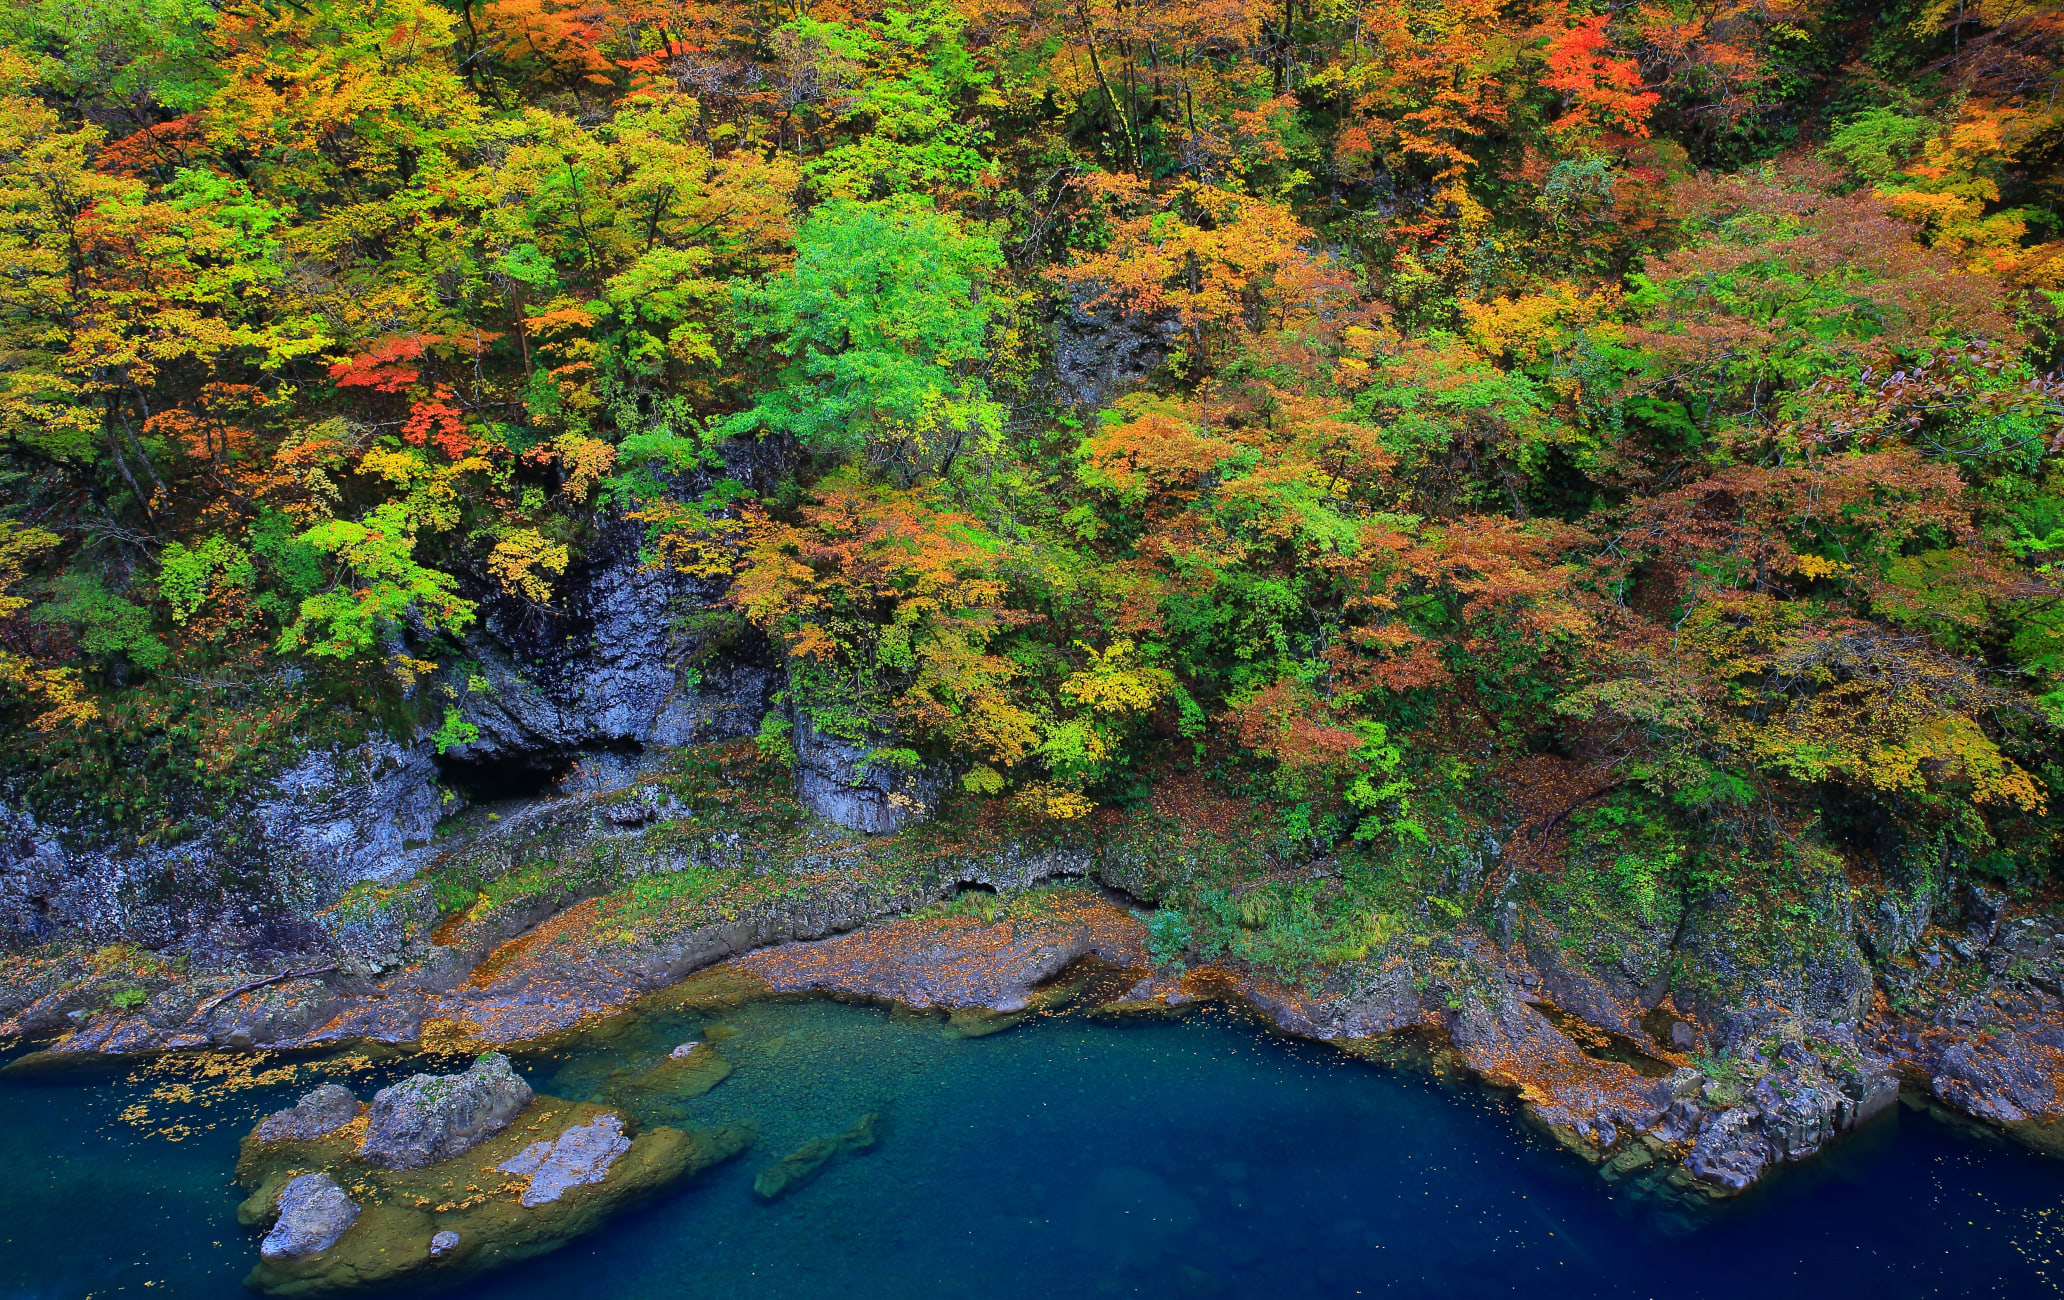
{"type": "Point", "coordinates": [1065, 1158]}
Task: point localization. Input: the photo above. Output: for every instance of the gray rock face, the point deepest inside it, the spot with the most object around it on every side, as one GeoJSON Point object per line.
{"type": "Point", "coordinates": [325, 1110]}
{"type": "Point", "coordinates": [52, 885]}
{"type": "Point", "coordinates": [314, 1213]}
{"type": "Point", "coordinates": [371, 933]}
{"type": "Point", "coordinates": [605, 676]}
{"type": "Point", "coordinates": [347, 815]}
{"type": "Point", "coordinates": [1613, 995]}
{"type": "Point", "coordinates": [1785, 1116]}
{"type": "Point", "coordinates": [40, 890]}
{"type": "Point", "coordinates": [243, 887]}
{"type": "Point", "coordinates": [1827, 980]}
{"type": "Point", "coordinates": [579, 1156]}
{"type": "Point", "coordinates": [2002, 1082]}
{"type": "Point", "coordinates": [2030, 948]}
{"type": "Point", "coordinates": [1730, 1153]}
{"type": "Point", "coordinates": [1101, 352]}
{"type": "Point", "coordinates": [1983, 910]}
{"type": "Point", "coordinates": [835, 781]}
{"type": "Point", "coordinates": [1798, 1119]}
{"type": "Point", "coordinates": [254, 882]}
{"type": "Point", "coordinates": [433, 1117]}
{"type": "Point", "coordinates": [1895, 925]}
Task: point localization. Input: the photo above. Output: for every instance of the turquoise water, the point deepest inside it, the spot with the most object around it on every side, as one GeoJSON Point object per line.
{"type": "Point", "coordinates": [1065, 1157]}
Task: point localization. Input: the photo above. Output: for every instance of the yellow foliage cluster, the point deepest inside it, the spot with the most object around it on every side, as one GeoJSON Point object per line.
{"type": "Point", "coordinates": [1850, 703]}
{"type": "Point", "coordinates": [1051, 802]}
{"type": "Point", "coordinates": [1113, 683]}
{"type": "Point", "coordinates": [521, 559]}
{"type": "Point", "coordinates": [61, 691]}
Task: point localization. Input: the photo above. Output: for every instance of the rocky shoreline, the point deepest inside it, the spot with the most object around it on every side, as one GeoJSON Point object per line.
{"type": "Point", "coordinates": [1635, 1109]}
{"type": "Point", "coordinates": [1699, 1080]}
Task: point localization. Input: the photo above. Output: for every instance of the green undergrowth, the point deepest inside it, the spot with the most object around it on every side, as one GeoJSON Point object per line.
{"type": "Point", "coordinates": [1615, 901]}
{"type": "Point", "coordinates": [1246, 894]}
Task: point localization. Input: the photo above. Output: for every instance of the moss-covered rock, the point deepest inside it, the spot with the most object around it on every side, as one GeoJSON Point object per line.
{"type": "Point", "coordinates": [660, 1093]}
{"type": "Point", "coordinates": [398, 1237]}
{"type": "Point", "coordinates": [431, 1117]}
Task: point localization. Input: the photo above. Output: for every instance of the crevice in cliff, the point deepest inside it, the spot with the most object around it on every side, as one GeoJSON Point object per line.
{"type": "Point", "coordinates": [501, 779]}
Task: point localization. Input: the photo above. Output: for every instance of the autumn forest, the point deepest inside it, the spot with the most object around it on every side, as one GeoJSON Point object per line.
{"type": "Point", "coordinates": [1651, 411]}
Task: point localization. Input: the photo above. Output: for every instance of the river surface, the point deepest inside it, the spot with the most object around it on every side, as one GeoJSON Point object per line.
{"type": "Point", "coordinates": [1063, 1158]}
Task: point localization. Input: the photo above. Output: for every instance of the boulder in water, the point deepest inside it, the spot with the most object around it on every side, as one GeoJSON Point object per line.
{"type": "Point", "coordinates": [433, 1117]}
{"type": "Point", "coordinates": [314, 1213]}
{"type": "Point", "coordinates": [320, 1112]}
{"type": "Point", "coordinates": [578, 1165]}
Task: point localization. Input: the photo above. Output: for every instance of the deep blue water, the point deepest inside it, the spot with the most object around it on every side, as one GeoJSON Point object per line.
{"type": "Point", "coordinates": [1063, 1158]}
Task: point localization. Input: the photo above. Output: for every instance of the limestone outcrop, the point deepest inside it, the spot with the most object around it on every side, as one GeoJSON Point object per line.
{"type": "Point", "coordinates": [430, 1117]}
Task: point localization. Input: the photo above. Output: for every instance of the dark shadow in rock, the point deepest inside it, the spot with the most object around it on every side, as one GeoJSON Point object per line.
{"type": "Point", "coordinates": [1087, 980]}
{"type": "Point", "coordinates": [505, 777]}
{"type": "Point", "coordinates": [1605, 1045]}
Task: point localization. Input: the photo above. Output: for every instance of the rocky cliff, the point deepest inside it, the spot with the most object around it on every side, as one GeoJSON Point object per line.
{"type": "Point", "coordinates": [597, 841]}
{"type": "Point", "coordinates": [1691, 1059]}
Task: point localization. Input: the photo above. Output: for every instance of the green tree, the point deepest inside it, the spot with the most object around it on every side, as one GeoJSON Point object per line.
{"type": "Point", "coordinates": [881, 325]}
{"type": "Point", "coordinates": [379, 586]}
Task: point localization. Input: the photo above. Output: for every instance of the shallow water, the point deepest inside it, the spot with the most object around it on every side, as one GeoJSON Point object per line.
{"type": "Point", "coordinates": [1063, 1158]}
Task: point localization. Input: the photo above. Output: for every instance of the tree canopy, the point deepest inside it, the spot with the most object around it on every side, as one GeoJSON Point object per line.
{"type": "Point", "coordinates": [1673, 388]}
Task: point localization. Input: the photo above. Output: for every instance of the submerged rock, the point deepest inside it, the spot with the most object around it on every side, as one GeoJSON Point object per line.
{"type": "Point", "coordinates": [433, 1117]}
{"type": "Point", "coordinates": [658, 1092]}
{"type": "Point", "coordinates": [577, 1157]}
{"type": "Point", "coordinates": [808, 1160]}
{"type": "Point", "coordinates": [1150, 999]}
{"type": "Point", "coordinates": [324, 1110]}
{"type": "Point", "coordinates": [980, 1022]}
{"type": "Point", "coordinates": [313, 1214]}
